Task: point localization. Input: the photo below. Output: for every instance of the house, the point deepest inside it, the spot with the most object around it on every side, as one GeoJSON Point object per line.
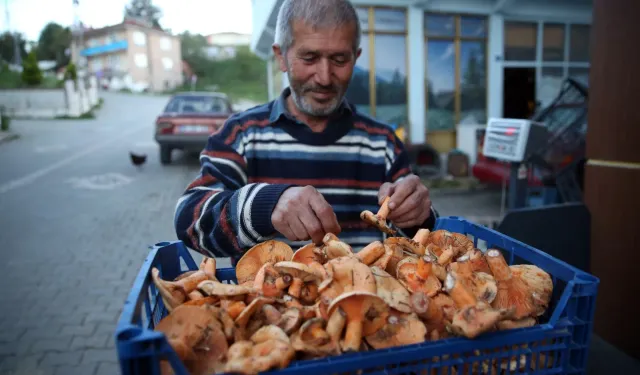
{"type": "Point", "coordinates": [430, 65]}
{"type": "Point", "coordinates": [131, 54]}
{"type": "Point", "coordinates": [224, 45]}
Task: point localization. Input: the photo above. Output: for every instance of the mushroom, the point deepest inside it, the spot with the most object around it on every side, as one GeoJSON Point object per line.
{"type": "Point", "coordinates": [472, 317]}
{"type": "Point", "coordinates": [308, 254]}
{"type": "Point", "coordinates": [269, 282]}
{"type": "Point", "coordinates": [349, 274]}
{"type": "Point", "coordinates": [365, 313]}
{"type": "Point", "coordinates": [269, 348]}
{"type": "Point", "coordinates": [271, 251]}
{"type": "Point", "coordinates": [371, 252]}
{"type": "Point", "coordinates": [243, 319]}
{"type": "Point", "coordinates": [394, 253]}
{"type": "Point", "coordinates": [391, 291]}
{"type": "Point", "coordinates": [379, 220]}
{"type": "Point", "coordinates": [515, 324]}
{"type": "Point", "coordinates": [208, 266]}
{"type": "Point", "coordinates": [527, 289]}
{"type": "Point", "coordinates": [174, 293]}
{"type": "Point", "coordinates": [195, 335]}
{"type": "Point", "coordinates": [334, 248]}
{"type": "Point", "coordinates": [313, 339]}
{"type": "Point", "coordinates": [477, 262]}
{"type": "Point", "coordinates": [422, 236]}
{"type": "Point", "coordinates": [400, 329]}
{"type": "Point", "coordinates": [416, 275]}
{"type": "Point", "coordinates": [299, 273]}
{"type": "Point", "coordinates": [481, 284]}
{"type": "Point", "coordinates": [233, 308]}
{"type": "Point", "coordinates": [432, 312]}
{"type": "Point", "coordinates": [288, 321]}
{"type": "Point", "coordinates": [215, 288]}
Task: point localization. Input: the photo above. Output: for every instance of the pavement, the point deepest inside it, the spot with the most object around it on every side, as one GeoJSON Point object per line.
{"type": "Point", "coordinates": [75, 225]}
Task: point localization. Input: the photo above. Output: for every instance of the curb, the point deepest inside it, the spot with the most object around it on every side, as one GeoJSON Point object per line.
{"type": "Point", "coordinates": [8, 137]}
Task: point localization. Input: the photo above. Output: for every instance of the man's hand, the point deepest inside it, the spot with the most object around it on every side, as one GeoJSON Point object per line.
{"type": "Point", "coordinates": [302, 213]}
{"type": "Point", "coordinates": [409, 201]}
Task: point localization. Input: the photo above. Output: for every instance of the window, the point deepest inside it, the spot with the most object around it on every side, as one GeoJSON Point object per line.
{"type": "Point", "coordinates": [553, 42]}
{"type": "Point", "coordinates": [165, 44]}
{"type": "Point", "coordinates": [139, 38]}
{"type": "Point", "coordinates": [141, 60]}
{"type": "Point", "coordinates": [520, 40]}
{"type": "Point", "coordinates": [167, 63]}
{"type": "Point", "coordinates": [198, 104]}
{"type": "Point", "coordinates": [456, 71]}
{"type": "Point", "coordinates": [579, 44]}
{"type": "Point", "coordinates": [379, 83]}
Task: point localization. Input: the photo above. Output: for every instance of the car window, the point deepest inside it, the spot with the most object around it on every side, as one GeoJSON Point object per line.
{"type": "Point", "coordinates": [197, 104]}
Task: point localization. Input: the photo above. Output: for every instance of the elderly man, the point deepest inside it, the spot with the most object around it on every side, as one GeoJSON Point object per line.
{"type": "Point", "coordinates": [307, 163]}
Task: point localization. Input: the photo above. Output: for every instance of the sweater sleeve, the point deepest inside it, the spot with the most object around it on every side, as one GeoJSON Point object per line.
{"type": "Point", "coordinates": [220, 214]}
{"type": "Point", "coordinates": [398, 168]}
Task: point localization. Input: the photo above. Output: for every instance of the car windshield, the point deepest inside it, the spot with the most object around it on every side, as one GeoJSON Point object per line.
{"type": "Point", "coordinates": [197, 104]}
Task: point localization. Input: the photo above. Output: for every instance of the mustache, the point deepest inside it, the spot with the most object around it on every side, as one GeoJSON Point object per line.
{"type": "Point", "coordinates": [321, 89]}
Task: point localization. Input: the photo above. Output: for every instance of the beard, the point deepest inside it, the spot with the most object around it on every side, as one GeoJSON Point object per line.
{"type": "Point", "coordinates": [306, 105]}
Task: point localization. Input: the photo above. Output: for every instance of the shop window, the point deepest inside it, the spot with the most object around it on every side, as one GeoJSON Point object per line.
{"type": "Point", "coordinates": [520, 40]}
{"type": "Point", "coordinates": [379, 83]}
{"type": "Point", "coordinates": [441, 85]}
{"type": "Point", "coordinates": [550, 84]}
{"type": "Point", "coordinates": [473, 82]}
{"type": "Point", "coordinates": [553, 42]}
{"type": "Point", "coordinates": [473, 27]}
{"type": "Point", "coordinates": [579, 43]}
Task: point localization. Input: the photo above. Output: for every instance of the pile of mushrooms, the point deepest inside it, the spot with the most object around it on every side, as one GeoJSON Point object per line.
{"type": "Point", "coordinates": [325, 300]}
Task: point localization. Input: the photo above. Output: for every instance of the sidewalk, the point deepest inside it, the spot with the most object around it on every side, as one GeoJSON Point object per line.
{"type": "Point", "coordinates": [8, 136]}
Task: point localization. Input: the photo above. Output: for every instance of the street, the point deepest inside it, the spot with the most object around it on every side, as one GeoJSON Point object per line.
{"type": "Point", "coordinates": [77, 220]}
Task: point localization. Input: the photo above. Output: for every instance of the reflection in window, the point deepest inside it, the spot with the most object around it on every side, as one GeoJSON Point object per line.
{"type": "Point", "coordinates": [579, 48]}
{"type": "Point", "coordinates": [439, 25]}
{"type": "Point", "coordinates": [473, 27]}
{"type": "Point", "coordinates": [553, 42]}
{"type": "Point", "coordinates": [390, 20]}
{"type": "Point", "coordinates": [391, 79]}
{"type": "Point", "coordinates": [358, 92]}
{"type": "Point", "coordinates": [473, 82]}
{"type": "Point", "coordinates": [440, 85]}
{"type": "Point", "coordinates": [580, 74]}
{"type": "Point", "coordinates": [520, 39]}
{"type": "Point", "coordinates": [549, 85]}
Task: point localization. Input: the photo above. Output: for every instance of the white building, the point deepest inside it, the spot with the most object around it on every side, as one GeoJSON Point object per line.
{"type": "Point", "coordinates": [225, 45]}
{"type": "Point", "coordinates": [435, 65]}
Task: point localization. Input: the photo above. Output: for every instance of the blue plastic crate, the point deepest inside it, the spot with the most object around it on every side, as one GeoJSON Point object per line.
{"type": "Point", "coordinates": [560, 341]}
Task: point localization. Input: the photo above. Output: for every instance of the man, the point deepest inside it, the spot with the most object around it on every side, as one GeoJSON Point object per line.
{"type": "Point", "coordinates": [307, 163]}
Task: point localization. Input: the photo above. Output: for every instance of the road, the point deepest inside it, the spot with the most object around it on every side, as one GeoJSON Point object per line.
{"type": "Point", "coordinates": [76, 222]}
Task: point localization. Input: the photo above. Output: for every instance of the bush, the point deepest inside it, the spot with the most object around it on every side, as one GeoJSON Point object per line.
{"type": "Point", "coordinates": [70, 72]}
{"type": "Point", "coordinates": [31, 74]}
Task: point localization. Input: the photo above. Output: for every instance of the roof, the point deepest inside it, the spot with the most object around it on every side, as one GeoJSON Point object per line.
{"type": "Point", "coordinates": [201, 93]}
{"type": "Point", "coordinates": [122, 25]}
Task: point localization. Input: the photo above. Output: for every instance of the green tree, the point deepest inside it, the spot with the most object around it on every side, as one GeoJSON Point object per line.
{"type": "Point", "coordinates": [144, 10]}
{"type": "Point", "coordinates": [31, 74]}
{"type": "Point", "coordinates": [53, 43]}
{"type": "Point", "coordinates": [7, 48]}
{"type": "Point", "coordinates": [71, 72]}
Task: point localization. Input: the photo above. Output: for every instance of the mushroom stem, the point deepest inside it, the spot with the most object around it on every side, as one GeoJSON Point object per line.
{"type": "Point", "coordinates": [336, 324]}
{"type": "Point", "coordinates": [208, 266]}
{"type": "Point", "coordinates": [422, 236]}
{"type": "Point", "coordinates": [353, 336]}
{"type": "Point", "coordinates": [283, 282]}
{"type": "Point", "coordinates": [498, 265]}
{"type": "Point", "coordinates": [296, 287]}
{"type": "Point", "coordinates": [447, 255]}
{"type": "Point", "coordinates": [379, 220]}
{"type": "Point", "coordinates": [425, 266]}
{"type": "Point", "coordinates": [309, 293]}
{"type": "Point", "coordinates": [371, 252]}
{"type": "Point", "coordinates": [461, 296]}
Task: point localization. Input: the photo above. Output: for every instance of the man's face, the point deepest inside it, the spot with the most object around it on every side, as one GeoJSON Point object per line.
{"type": "Point", "coordinates": [319, 66]}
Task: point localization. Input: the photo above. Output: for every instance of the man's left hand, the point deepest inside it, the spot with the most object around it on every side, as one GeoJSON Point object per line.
{"type": "Point", "coordinates": [409, 202]}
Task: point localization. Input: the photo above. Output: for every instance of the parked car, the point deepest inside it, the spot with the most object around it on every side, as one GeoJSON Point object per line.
{"type": "Point", "coordinates": [188, 120]}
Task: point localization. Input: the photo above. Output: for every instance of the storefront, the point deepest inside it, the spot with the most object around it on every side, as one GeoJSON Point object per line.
{"type": "Point", "coordinates": [433, 66]}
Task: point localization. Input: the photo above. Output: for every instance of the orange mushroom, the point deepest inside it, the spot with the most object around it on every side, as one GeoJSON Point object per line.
{"type": "Point", "coordinates": [481, 284]}
{"type": "Point", "coordinates": [432, 312]}
{"type": "Point", "coordinates": [267, 349]}
{"type": "Point", "coordinates": [208, 266]}
{"type": "Point", "coordinates": [308, 254]}
{"type": "Point", "coordinates": [174, 293]}
{"type": "Point", "coordinates": [299, 274]}
{"type": "Point", "coordinates": [271, 251]}
{"type": "Point", "coordinates": [365, 313]}
{"type": "Point", "coordinates": [371, 252]}
{"type": "Point", "coordinates": [379, 220]}
{"type": "Point", "coordinates": [391, 291]}
{"type": "Point", "coordinates": [349, 274]}
{"type": "Point", "coordinates": [400, 329]}
{"type": "Point", "coordinates": [334, 248]}
{"type": "Point", "coordinates": [417, 275]}
{"type": "Point", "coordinates": [313, 339]}
{"type": "Point", "coordinates": [527, 289]}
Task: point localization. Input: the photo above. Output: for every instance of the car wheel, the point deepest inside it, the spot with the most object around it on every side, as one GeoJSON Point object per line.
{"type": "Point", "coordinates": [165, 155]}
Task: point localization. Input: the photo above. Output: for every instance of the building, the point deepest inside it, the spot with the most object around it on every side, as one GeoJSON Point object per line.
{"type": "Point", "coordinates": [225, 45]}
{"type": "Point", "coordinates": [132, 55]}
{"type": "Point", "coordinates": [433, 66]}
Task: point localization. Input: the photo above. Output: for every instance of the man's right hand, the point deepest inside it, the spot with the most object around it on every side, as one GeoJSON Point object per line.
{"type": "Point", "coordinates": [302, 213]}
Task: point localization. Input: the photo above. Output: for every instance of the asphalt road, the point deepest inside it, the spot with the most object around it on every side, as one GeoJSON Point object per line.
{"type": "Point", "coordinates": [76, 220]}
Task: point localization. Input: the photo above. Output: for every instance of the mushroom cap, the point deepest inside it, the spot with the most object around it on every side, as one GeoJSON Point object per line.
{"type": "Point", "coordinates": [349, 274]}
{"type": "Point", "coordinates": [290, 320]}
{"type": "Point", "coordinates": [363, 305]}
{"type": "Point", "coordinates": [298, 270]}
{"type": "Point", "coordinates": [442, 238]}
{"type": "Point", "coordinates": [271, 251]}
{"type": "Point", "coordinates": [334, 248]}
{"type": "Point", "coordinates": [188, 329]}
{"type": "Point", "coordinates": [538, 280]}
{"type": "Point", "coordinates": [391, 291]}
{"type": "Point", "coordinates": [215, 288]}
{"type": "Point", "coordinates": [171, 297]}
{"type": "Point", "coordinates": [462, 241]}
{"type": "Point", "coordinates": [313, 339]}
{"type": "Point", "coordinates": [407, 275]}
{"type": "Point", "coordinates": [307, 254]}
{"type": "Point", "coordinates": [269, 332]}
{"type": "Point", "coordinates": [472, 321]}
{"type": "Point", "coordinates": [252, 308]}
{"type": "Point", "coordinates": [406, 244]}
{"type": "Point", "coordinates": [400, 329]}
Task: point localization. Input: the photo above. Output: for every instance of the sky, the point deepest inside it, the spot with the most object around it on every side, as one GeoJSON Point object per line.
{"type": "Point", "coordinates": [196, 16]}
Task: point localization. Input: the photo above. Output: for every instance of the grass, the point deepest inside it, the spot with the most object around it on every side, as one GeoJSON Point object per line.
{"type": "Point", "coordinates": [237, 90]}
{"type": "Point", "coordinates": [13, 80]}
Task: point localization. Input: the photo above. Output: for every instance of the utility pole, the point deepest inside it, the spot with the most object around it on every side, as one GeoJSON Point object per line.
{"type": "Point", "coordinates": [79, 34]}
{"type": "Point", "coordinates": [17, 59]}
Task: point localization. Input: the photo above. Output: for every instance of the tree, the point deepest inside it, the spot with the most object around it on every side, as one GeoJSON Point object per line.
{"type": "Point", "coordinates": [7, 47]}
{"type": "Point", "coordinates": [31, 74]}
{"type": "Point", "coordinates": [53, 43]}
{"type": "Point", "coordinates": [144, 10]}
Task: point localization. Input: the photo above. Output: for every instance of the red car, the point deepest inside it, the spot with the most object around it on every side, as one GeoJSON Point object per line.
{"type": "Point", "coordinates": [188, 120]}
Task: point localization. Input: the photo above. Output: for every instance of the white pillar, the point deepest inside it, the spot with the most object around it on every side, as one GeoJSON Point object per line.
{"type": "Point", "coordinates": [416, 76]}
{"type": "Point", "coordinates": [73, 101]}
{"type": "Point", "coordinates": [270, 89]}
{"type": "Point", "coordinates": [84, 99]}
{"type": "Point", "coordinates": [496, 72]}
{"type": "Point", "coordinates": [93, 91]}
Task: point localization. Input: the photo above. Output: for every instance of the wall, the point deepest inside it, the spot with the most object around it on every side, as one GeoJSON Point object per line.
{"type": "Point", "coordinates": [146, 61]}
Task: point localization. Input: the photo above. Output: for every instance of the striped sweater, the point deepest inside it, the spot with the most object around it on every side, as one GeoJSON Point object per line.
{"type": "Point", "coordinates": [261, 152]}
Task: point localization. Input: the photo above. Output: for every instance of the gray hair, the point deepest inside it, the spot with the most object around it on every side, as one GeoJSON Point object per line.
{"type": "Point", "coordinates": [317, 14]}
